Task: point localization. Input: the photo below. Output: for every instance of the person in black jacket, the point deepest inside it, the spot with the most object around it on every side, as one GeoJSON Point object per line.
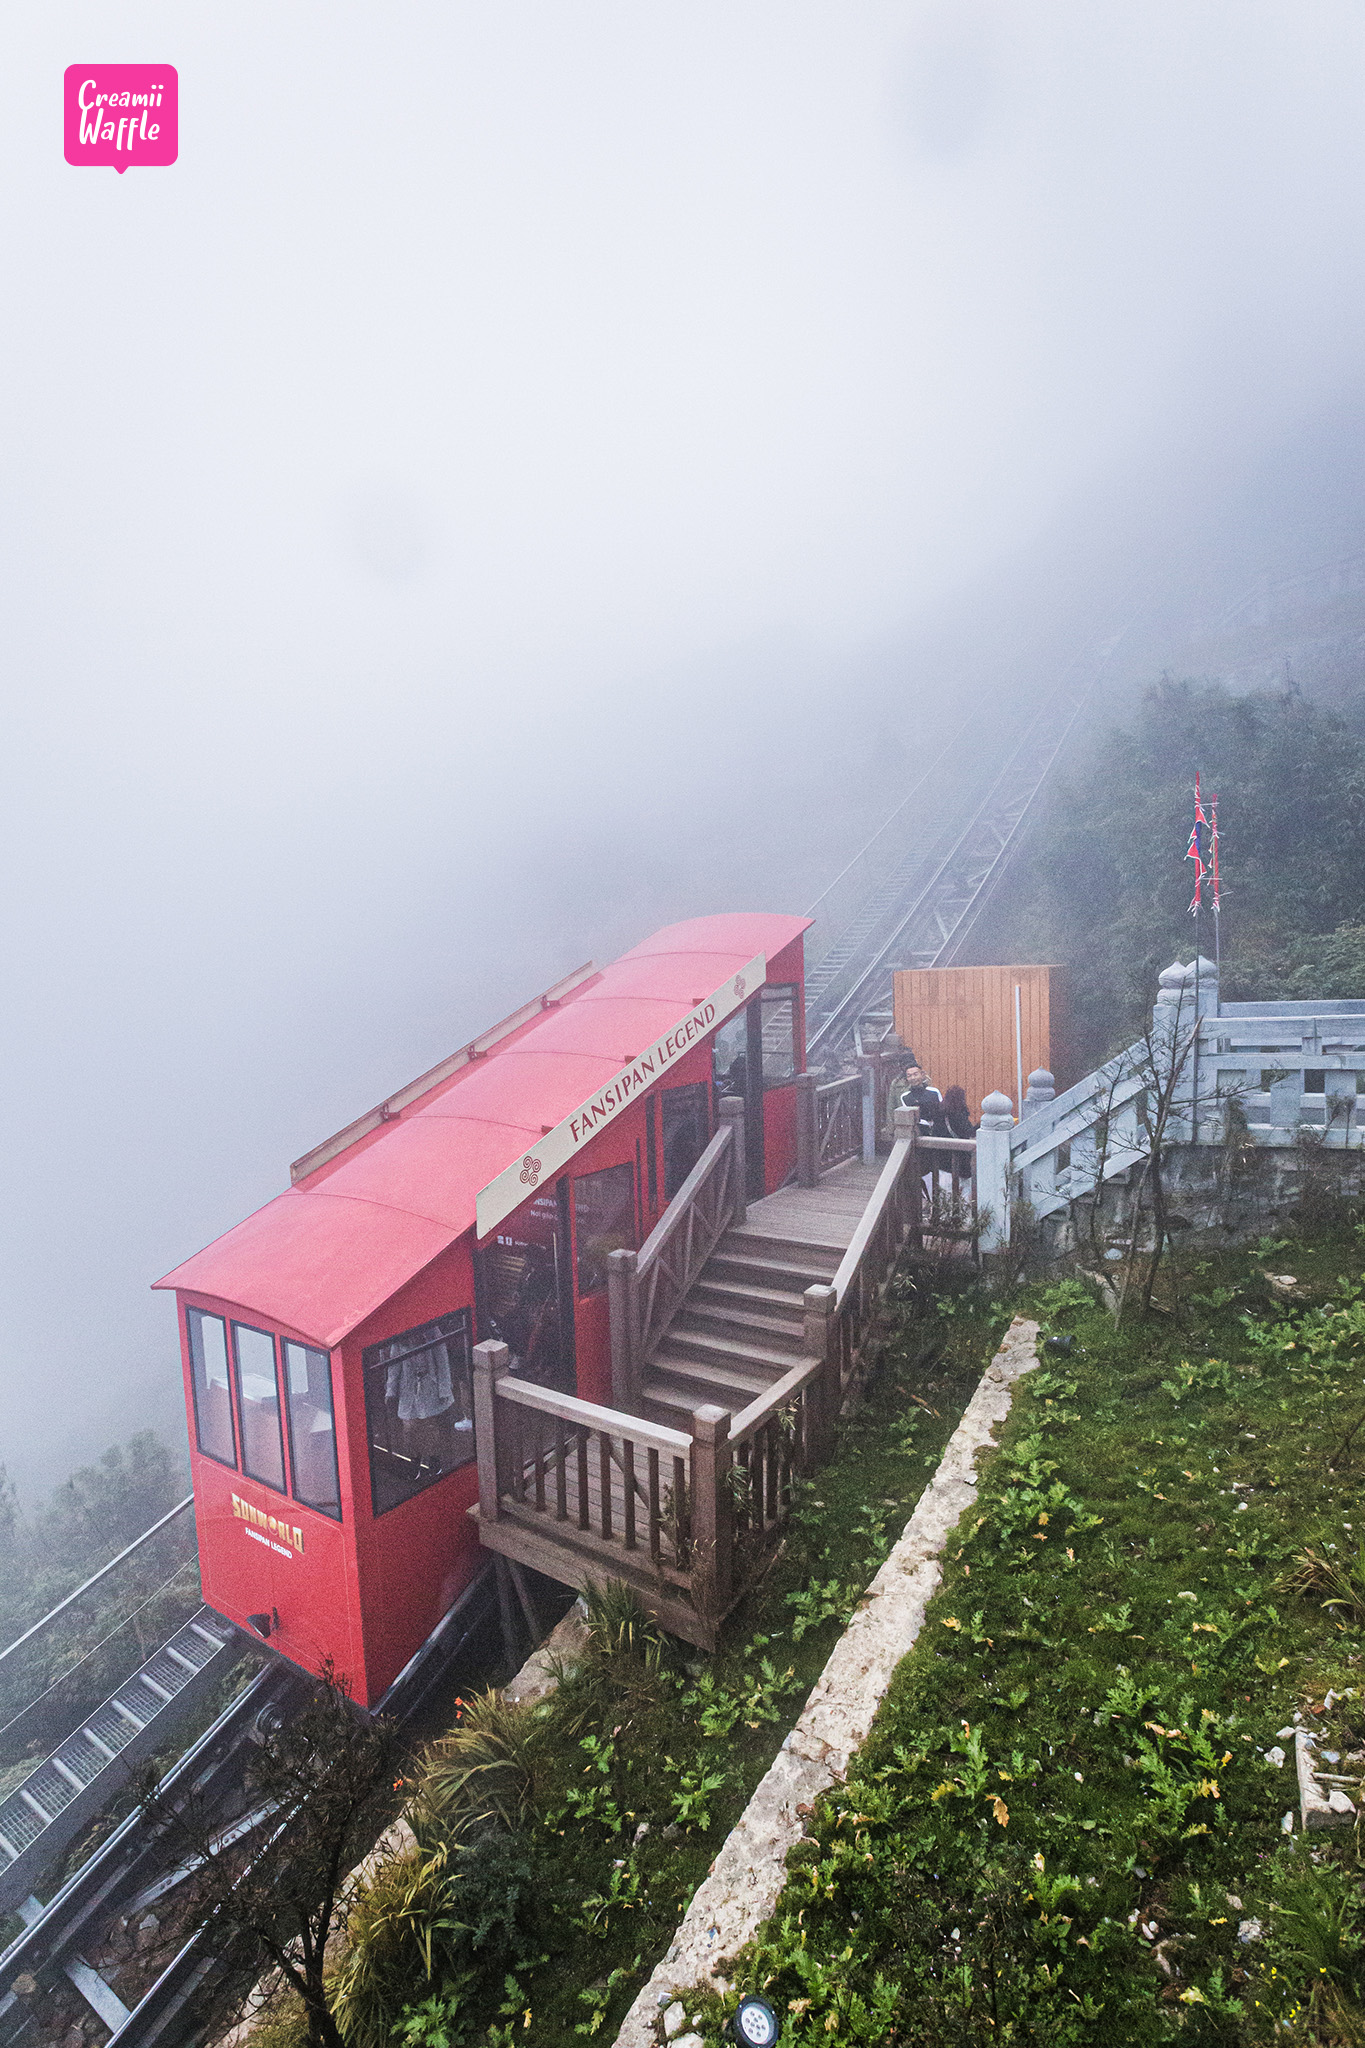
{"type": "Point", "coordinates": [915, 1092]}
{"type": "Point", "coordinates": [956, 1114]}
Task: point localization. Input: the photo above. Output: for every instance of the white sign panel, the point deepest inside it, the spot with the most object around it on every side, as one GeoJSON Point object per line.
{"type": "Point", "coordinates": [517, 1182]}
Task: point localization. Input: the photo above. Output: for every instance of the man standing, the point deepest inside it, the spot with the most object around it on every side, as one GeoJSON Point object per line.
{"type": "Point", "coordinates": [914, 1092]}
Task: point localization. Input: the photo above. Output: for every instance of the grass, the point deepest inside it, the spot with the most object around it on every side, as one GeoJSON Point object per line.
{"type": "Point", "coordinates": [558, 1846]}
{"type": "Point", "coordinates": [1068, 1825]}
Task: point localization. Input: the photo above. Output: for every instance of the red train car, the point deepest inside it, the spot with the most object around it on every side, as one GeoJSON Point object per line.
{"type": "Point", "coordinates": [326, 1341]}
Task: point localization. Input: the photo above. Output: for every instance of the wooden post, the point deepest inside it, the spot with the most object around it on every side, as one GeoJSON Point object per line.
{"type": "Point", "coordinates": [807, 1151]}
{"type": "Point", "coordinates": [821, 1341]}
{"type": "Point", "coordinates": [491, 1361]}
{"type": "Point", "coordinates": [905, 1124]}
{"type": "Point", "coordinates": [623, 1307]}
{"type": "Point", "coordinates": [712, 1513]}
{"type": "Point", "coordinates": [732, 1112]}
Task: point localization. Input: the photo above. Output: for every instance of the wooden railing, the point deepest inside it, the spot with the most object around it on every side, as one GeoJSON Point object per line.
{"type": "Point", "coordinates": [647, 1288]}
{"type": "Point", "coordinates": [829, 1125]}
{"type": "Point", "coordinates": [946, 1212]}
{"type": "Point", "coordinates": [838, 1317]}
{"type": "Point", "coordinates": [583, 1492]}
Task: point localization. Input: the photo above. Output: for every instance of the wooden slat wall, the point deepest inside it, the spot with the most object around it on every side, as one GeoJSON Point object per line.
{"type": "Point", "coordinates": [959, 1021]}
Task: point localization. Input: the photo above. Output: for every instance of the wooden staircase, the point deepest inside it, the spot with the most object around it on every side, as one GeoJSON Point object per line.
{"type": "Point", "coordinates": [742, 1325]}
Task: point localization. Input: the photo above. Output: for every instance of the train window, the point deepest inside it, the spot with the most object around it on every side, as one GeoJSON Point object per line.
{"type": "Point", "coordinates": [685, 1132]}
{"type": "Point", "coordinates": [419, 1408]}
{"type": "Point", "coordinates": [258, 1405]}
{"type": "Point", "coordinates": [604, 1221]}
{"type": "Point", "coordinates": [209, 1379]}
{"type": "Point", "coordinates": [730, 1055]}
{"type": "Point", "coordinates": [312, 1428]}
{"type": "Point", "coordinates": [779, 1036]}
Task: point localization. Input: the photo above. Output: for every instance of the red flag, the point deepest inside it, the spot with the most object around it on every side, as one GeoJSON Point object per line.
{"type": "Point", "coordinates": [1198, 849]}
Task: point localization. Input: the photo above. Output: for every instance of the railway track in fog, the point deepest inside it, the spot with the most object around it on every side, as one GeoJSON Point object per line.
{"type": "Point", "coordinates": [922, 903]}
{"type": "Point", "coordinates": [132, 1873]}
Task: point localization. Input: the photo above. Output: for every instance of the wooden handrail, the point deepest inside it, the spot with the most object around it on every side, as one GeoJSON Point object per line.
{"type": "Point", "coordinates": [871, 1217]}
{"type": "Point", "coordinates": [765, 1405]}
{"type": "Point", "coordinates": [675, 1214]}
{"type": "Point", "coordinates": [654, 1436]}
{"type": "Point", "coordinates": [852, 1081]}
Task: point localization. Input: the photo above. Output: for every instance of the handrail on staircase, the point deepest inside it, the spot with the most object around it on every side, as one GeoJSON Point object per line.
{"type": "Point", "coordinates": [645, 1289]}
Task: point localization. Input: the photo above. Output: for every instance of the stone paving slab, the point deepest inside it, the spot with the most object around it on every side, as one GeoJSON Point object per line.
{"type": "Point", "coordinates": [744, 1883]}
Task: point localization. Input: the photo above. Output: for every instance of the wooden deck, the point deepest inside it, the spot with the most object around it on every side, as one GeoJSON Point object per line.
{"type": "Point", "coordinates": [826, 1215]}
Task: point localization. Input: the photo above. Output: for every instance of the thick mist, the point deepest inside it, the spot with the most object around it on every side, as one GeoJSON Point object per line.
{"type": "Point", "coordinates": [530, 472]}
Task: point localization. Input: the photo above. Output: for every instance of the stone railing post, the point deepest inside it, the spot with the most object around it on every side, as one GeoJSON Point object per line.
{"type": "Point", "coordinates": [491, 1361]}
{"type": "Point", "coordinates": [627, 1338]}
{"type": "Point", "coordinates": [732, 1113]}
{"type": "Point", "coordinates": [868, 1064]}
{"type": "Point", "coordinates": [1041, 1088]}
{"type": "Point", "coordinates": [807, 1144]}
{"type": "Point", "coordinates": [822, 1342]}
{"type": "Point", "coordinates": [713, 1547]}
{"type": "Point", "coordinates": [993, 1169]}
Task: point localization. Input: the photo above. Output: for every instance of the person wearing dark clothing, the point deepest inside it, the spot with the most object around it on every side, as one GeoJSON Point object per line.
{"type": "Point", "coordinates": [916, 1093]}
{"type": "Point", "coordinates": [956, 1115]}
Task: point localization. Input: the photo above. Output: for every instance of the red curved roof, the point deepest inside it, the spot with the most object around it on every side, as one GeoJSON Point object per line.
{"type": "Point", "coordinates": [324, 1255]}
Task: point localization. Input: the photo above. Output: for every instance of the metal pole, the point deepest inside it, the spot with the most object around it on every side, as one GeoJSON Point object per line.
{"type": "Point", "coordinates": [1198, 948]}
{"type": "Point", "coordinates": [1018, 1049]}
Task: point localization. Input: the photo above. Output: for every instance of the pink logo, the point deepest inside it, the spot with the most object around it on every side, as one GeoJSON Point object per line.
{"type": "Point", "coordinates": [121, 114]}
{"type": "Point", "coordinates": [739, 984]}
{"type": "Point", "coordinates": [530, 1171]}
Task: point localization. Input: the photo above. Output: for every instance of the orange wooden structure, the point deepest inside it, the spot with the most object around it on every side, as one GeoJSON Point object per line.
{"type": "Point", "coordinates": [959, 1021]}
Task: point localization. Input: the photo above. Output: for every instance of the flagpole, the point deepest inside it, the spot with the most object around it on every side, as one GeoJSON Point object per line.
{"type": "Point", "coordinates": [1218, 920]}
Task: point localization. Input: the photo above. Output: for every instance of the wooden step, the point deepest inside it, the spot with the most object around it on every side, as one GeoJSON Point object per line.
{"type": "Point", "coordinates": [762, 1271]}
{"type": "Point", "coordinates": [785, 1249]}
{"type": "Point", "coordinates": [779, 1303]}
{"type": "Point", "coordinates": [733, 1352]}
{"type": "Point", "coordinates": [733, 1319]}
{"type": "Point", "coordinates": [724, 1383]}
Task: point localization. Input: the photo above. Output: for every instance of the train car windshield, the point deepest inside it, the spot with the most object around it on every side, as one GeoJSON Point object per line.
{"type": "Point", "coordinates": [419, 1408]}
{"type": "Point", "coordinates": [312, 1428]}
{"type": "Point", "coordinates": [258, 1404]}
{"type": "Point", "coordinates": [209, 1380]}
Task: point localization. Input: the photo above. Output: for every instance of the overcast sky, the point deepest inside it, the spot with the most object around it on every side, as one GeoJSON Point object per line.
{"type": "Point", "coordinates": [531, 471]}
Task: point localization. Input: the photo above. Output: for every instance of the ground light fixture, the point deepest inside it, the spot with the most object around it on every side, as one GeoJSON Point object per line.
{"type": "Point", "coordinates": [755, 2023]}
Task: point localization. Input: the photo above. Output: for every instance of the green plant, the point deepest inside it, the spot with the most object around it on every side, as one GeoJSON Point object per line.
{"type": "Point", "coordinates": [486, 1769]}
{"type": "Point", "coordinates": [818, 1603]}
{"type": "Point", "coordinates": [691, 1796]}
{"type": "Point", "coordinates": [622, 1895]}
{"type": "Point", "coordinates": [1338, 1582]}
{"type": "Point", "coordinates": [593, 1804]}
{"type": "Point", "coordinates": [401, 1934]}
{"type": "Point", "coordinates": [435, 2023]}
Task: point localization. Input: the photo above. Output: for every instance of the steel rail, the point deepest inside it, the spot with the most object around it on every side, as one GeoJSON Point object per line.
{"type": "Point", "coordinates": [95, 1578]}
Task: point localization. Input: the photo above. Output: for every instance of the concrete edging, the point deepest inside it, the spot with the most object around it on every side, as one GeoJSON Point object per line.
{"type": "Point", "coordinates": [747, 1877]}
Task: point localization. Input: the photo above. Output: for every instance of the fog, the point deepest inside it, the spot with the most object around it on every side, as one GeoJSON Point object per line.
{"type": "Point", "coordinates": [529, 472]}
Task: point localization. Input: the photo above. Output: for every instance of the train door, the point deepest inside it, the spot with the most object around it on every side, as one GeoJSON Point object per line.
{"type": "Point", "coordinates": [526, 1290]}
{"type": "Point", "coordinates": [737, 1064]}
{"type": "Point", "coordinates": [685, 1120]}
